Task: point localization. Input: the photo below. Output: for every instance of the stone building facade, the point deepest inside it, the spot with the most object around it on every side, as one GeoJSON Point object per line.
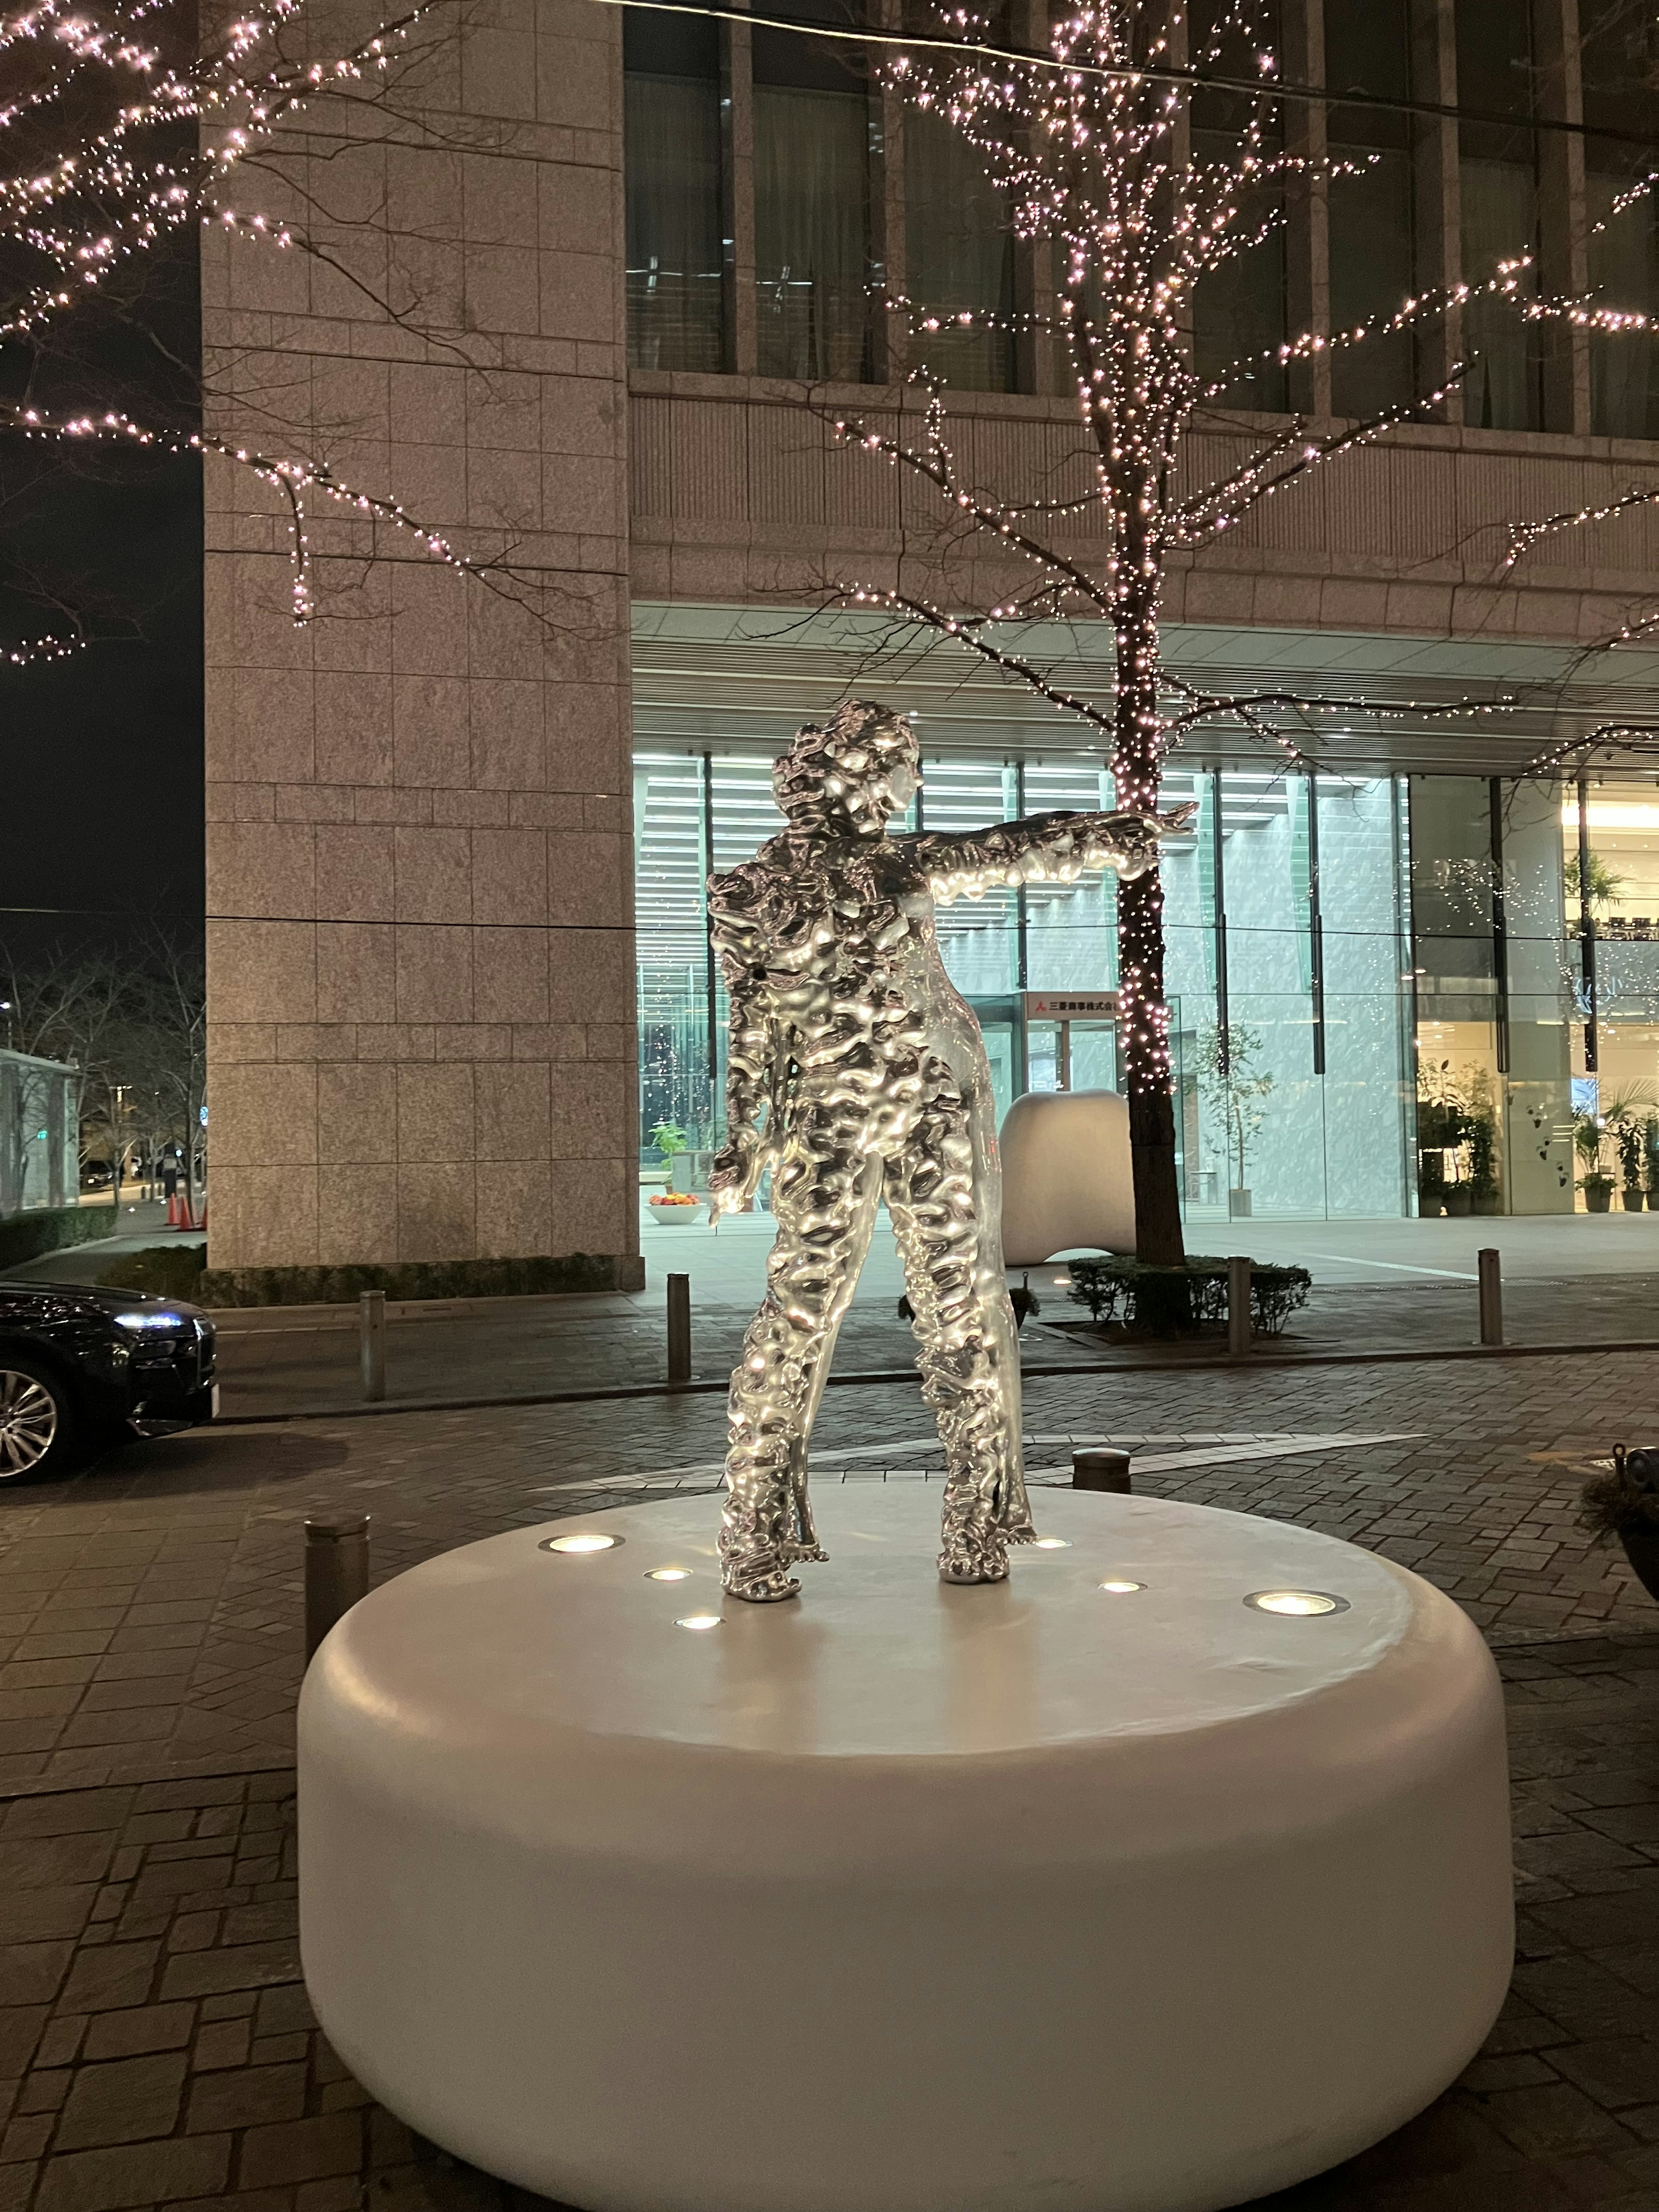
{"type": "Point", "coordinates": [422, 841]}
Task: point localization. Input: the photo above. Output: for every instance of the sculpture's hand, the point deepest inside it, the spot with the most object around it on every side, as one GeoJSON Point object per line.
{"type": "Point", "coordinates": [1128, 843]}
{"type": "Point", "coordinates": [735, 1173]}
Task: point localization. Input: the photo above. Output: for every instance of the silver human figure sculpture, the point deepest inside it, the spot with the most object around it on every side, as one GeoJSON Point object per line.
{"type": "Point", "coordinates": [858, 1074]}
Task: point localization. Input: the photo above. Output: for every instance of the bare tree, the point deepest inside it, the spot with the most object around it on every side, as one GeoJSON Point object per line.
{"type": "Point", "coordinates": [130, 125]}
{"type": "Point", "coordinates": [1094, 148]}
{"type": "Point", "coordinates": [69, 1007]}
{"type": "Point", "coordinates": [161, 1050]}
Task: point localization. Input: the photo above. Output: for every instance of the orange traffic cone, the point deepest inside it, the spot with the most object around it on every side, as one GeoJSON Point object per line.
{"type": "Point", "coordinates": [173, 1211]}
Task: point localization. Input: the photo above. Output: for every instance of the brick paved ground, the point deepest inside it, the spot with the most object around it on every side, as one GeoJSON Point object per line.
{"type": "Point", "coordinates": [149, 1632]}
{"type": "Point", "coordinates": [150, 1608]}
{"type": "Point", "coordinates": [156, 2047]}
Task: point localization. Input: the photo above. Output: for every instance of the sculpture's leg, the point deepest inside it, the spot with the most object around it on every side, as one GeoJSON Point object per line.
{"type": "Point", "coordinates": [942, 1199]}
{"type": "Point", "coordinates": [826, 1191]}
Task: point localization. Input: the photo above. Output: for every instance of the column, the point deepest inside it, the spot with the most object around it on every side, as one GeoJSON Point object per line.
{"type": "Point", "coordinates": [422, 1054]}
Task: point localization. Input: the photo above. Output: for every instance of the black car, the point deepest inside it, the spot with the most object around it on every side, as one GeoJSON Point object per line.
{"type": "Point", "coordinates": [81, 1367]}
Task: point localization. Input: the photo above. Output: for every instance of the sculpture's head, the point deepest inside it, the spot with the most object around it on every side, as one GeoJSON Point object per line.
{"type": "Point", "coordinates": [852, 777]}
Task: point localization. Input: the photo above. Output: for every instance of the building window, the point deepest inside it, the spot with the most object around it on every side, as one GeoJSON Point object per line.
{"type": "Point", "coordinates": [1239, 308]}
{"type": "Point", "coordinates": [812, 174]}
{"type": "Point", "coordinates": [676, 311]}
{"type": "Point", "coordinates": [959, 255]}
{"type": "Point", "coordinates": [1498, 173]}
{"type": "Point", "coordinates": [1620, 56]}
{"type": "Point", "coordinates": [1372, 261]}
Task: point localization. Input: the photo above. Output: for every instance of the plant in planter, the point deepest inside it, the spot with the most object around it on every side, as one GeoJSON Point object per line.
{"type": "Point", "coordinates": [1442, 1128]}
{"type": "Point", "coordinates": [1624, 1504]}
{"type": "Point", "coordinates": [1603, 885]}
{"type": "Point", "coordinates": [1587, 1138]}
{"type": "Point", "coordinates": [1622, 1120]}
{"type": "Point", "coordinates": [1229, 1080]}
{"type": "Point", "coordinates": [1481, 1134]}
{"type": "Point", "coordinates": [1651, 1160]}
{"type": "Point", "coordinates": [1183, 1300]}
{"type": "Point", "coordinates": [669, 1137]}
{"type": "Point", "coordinates": [1627, 1139]}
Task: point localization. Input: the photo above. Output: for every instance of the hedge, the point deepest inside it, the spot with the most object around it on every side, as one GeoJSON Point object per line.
{"type": "Point", "coordinates": [166, 1271]}
{"type": "Point", "coordinates": [53, 1229]}
{"type": "Point", "coordinates": [1182, 1300]}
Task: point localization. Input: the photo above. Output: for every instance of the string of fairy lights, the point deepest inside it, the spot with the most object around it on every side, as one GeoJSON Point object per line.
{"type": "Point", "coordinates": [1087, 142]}
{"type": "Point", "coordinates": [1090, 156]}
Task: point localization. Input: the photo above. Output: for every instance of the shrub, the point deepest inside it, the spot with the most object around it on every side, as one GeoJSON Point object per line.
{"type": "Point", "coordinates": [1182, 1300]}
{"type": "Point", "coordinates": [1624, 1502]}
{"type": "Point", "coordinates": [52, 1229]}
{"type": "Point", "coordinates": [167, 1271]}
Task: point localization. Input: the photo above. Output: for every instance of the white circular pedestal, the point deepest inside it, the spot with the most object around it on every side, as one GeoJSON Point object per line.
{"type": "Point", "coordinates": [1036, 1897]}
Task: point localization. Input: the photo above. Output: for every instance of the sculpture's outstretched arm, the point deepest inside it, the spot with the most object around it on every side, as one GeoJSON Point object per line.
{"type": "Point", "coordinates": [1043, 848]}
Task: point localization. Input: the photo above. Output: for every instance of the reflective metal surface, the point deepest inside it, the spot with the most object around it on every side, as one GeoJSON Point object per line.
{"type": "Point", "coordinates": [858, 1075]}
{"type": "Point", "coordinates": [28, 1422]}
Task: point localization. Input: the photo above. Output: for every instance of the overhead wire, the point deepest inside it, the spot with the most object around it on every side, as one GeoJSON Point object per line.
{"type": "Point", "coordinates": [1031, 57]}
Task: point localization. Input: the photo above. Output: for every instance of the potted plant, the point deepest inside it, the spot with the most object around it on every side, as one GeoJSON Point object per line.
{"type": "Point", "coordinates": [1627, 1136]}
{"type": "Point", "coordinates": [1603, 885]}
{"type": "Point", "coordinates": [668, 1139]}
{"type": "Point", "coordinates": [1481, 1134]}
{"type": "Point", "coordinates": [1443, 1126]}
{"type": "Point", "coordinates": [1586, 1143]}
{"type": "Point", "coordinates": [1228, 1079]}
{"type": "Point", "coordinates": [1625, 1504]}
{"type": "Point", "coordinates": [1651, 1154]}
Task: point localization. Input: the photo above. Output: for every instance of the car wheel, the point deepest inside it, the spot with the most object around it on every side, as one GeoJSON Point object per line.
{"type": "Point", "coordinates": [37, 1419]}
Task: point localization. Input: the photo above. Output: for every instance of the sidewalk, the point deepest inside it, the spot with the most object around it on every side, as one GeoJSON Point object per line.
{"type": "Point", "coordinates": [156, 2046]}
{"type": "Point", "coordinates": [291, 1359]}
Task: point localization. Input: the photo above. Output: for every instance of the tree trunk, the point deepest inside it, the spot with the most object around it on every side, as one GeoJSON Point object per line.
{"type": "Point", "coordinates": [1145, 1017]}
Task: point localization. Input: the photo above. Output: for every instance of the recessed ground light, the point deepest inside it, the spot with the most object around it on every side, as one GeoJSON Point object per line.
{"type": "Point", "coordinates": [1299, 1605]}
{"type": "Point", "coordinates": [699, 1621]}
{"type": "Point", "coordinates": [1051, 1544]}
{"type": "Point", "coordinates": [1121, 1589]}
{"type": "Point", "coordinates": [667, 1574]}
{"type": "Point", "coordinates": [586, 1540]}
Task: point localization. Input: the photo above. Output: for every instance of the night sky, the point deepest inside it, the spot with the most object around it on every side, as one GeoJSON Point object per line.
{"type": "Point", "coordinates": [102, 818]}
{"type": "Point", "coordinates": [101, 824]}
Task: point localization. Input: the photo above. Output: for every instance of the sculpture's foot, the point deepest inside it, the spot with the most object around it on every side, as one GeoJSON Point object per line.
{"type": "Point", "coordinates": [964, 1560]}
{"type": "Point", "coordinates": [762, 1576]}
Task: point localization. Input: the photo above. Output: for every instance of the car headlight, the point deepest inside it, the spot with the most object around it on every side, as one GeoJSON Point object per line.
{"type": "Point", "coordinates": [150, 1320]}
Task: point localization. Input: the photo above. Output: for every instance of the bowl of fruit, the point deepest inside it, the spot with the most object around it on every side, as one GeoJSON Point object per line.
{"type": "Point", "coordinates": [675, 1209]}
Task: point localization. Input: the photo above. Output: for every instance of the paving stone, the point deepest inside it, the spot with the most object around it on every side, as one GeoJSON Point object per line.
{"type": "Point", "coordinates": [251, 2096]}
{"type": "Point", "coordinates": [144, 2028]}
{"type": "Point", "coordinates": [122, 2101]}
{"type": "Point", "coordinates": [301, 2150]}
{"type": "Point", "coordinates": [135, 2174]}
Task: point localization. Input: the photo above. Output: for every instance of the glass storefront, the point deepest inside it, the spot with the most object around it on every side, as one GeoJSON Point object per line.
{"type": "Point", "coordinates": [1293, 982]}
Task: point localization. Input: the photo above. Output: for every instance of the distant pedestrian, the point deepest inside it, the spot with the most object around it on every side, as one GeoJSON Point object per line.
{"type": "Point", "coordinates": [170, 1176]}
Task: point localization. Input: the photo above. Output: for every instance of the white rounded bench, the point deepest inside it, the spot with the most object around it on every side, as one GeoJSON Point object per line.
{"type": "Point", "coordinates": [1103, 1890]}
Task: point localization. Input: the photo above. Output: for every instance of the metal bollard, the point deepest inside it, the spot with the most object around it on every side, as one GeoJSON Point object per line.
{"type": "Point", "coordinates": [1101, 1469]}
{"type": "Point", "coordinates": [371, 1328]}
{"type": "Point", "coordinates": [1239, 1330]}
{"type": "Point", "coordinates": [337, 1573]}
{"type": "Point", "coordinates": [1491, 1298]}
{"type": "Point", "coordinates": [680, 1328]}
